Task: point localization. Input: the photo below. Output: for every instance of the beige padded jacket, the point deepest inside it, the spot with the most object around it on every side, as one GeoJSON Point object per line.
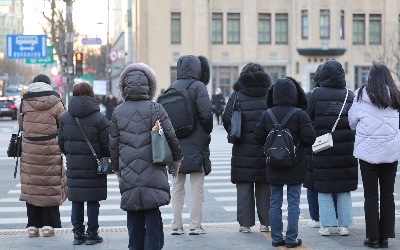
{"type": "Point", "coordinates": [43, 180]}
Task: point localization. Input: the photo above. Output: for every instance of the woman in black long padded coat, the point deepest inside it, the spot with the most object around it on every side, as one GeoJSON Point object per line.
{"type": "Point", "coordinates": [248, 160]}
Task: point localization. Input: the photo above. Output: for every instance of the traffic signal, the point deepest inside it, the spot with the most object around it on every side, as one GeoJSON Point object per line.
{"type": "Point", "coordinates": [78, 63]}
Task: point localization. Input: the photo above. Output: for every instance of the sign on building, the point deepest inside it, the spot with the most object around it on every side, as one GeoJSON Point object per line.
{"type": "Point", "coordinates": [26, 46]}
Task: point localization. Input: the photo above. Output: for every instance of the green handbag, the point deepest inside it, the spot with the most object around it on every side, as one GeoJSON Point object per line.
{"type": "Point", "coordinates": [162, 154]}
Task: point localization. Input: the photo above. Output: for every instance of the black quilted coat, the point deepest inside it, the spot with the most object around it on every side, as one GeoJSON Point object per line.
{"type": "Point", "coordinates": [335, 170]}
{"type": "Point", "coordinates": [142, 184]}
{"type": "Point", "coordinates": [248, 160]}
{"type": "Point", "coordinates": [84, 184]}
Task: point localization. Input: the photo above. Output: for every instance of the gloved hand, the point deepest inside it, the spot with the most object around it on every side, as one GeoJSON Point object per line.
{"type": "Point", "coordinates": [174, 168]}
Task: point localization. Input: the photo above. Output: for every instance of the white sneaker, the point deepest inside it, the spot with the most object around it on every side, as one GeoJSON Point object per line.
{"type": "Point", "coordinates": [343, 231]}
{"type": "Point", "coordinates": [313, 224]}
{"type": "Point", "coordinates": [245, 229]}
{"type": "Point", "coordinates": [178, 231]}
{"type": "Point", "coordinates": [263, 228]}
{"type": "Point", "coordinates": [33, 232]}
{"type": "Point", "coordinates": [197, 231]}
{"type": "Point", "coordinates": [324, 231]}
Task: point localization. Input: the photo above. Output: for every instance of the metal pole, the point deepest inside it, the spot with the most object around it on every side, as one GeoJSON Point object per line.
{"type": "Point", "coordinates": [108, 65]}
{"type": "Point", "coordinates": [70, 50]}
{"type": "Point", "coordinates": [130, 47]}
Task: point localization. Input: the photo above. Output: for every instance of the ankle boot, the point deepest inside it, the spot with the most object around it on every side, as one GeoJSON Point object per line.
{"type": "Point", "coordinates": [79, 238]}
{"type": "Point", "coordinates": [384, 242]}
{"type": "Point", "coordinates": [93, 238]}
{"type": "Point", "coordinates": [372, 242]}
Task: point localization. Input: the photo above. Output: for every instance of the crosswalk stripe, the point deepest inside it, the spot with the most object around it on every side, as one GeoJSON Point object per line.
{"type": "Point", "coordinates": [102, 218]}
{"type": "Point", "coordinates": [217, 184]}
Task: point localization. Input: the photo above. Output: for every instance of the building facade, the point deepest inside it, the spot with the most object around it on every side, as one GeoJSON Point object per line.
{"type": "Point", "coordinates": [286, 37]}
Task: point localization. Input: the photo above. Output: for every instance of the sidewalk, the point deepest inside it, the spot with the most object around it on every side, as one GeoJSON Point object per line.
{"type": "Point", "coordinates": [218, 237]}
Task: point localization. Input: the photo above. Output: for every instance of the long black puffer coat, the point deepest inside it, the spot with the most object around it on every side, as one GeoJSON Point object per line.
{"type": "Point", "coordinates": [143, 185]}
{"type": "Point", "coordinates": [84, 184]}
{"type": "Point", "coordinates": [335, 170]}
{"type": "Point", "coordinates": [195, 147]}
{"type": "Point", "coordinates": [285, 95]}
{"type": "Point", "coordinates": [248, 160]}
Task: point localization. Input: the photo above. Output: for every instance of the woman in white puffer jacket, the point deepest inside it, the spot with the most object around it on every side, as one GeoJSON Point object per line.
{"type": "Point", "coordinates": [375, 117]}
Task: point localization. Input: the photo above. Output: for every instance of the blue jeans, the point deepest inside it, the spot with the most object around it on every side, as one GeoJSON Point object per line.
{"type": "Point", "coordinates": [77, 216]}
{"type": "Point", "coordinates": [313, 207]}
{"type": "Point", "coordinates": [145, 229]}
{"type": "Point", "coordinates": [327, 210]}
{"type": "Point", "coordinates": [275, 212]}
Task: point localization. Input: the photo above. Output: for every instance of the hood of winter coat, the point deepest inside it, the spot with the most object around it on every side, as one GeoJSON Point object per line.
{"type": "Point", "coordinates": [42, 100]}
{"type": "Point", "coordinates": [189, 67]}
{"type": "Point", "coordinates": [332, 75]}
{"type": "Point", "coordinates": [287, 92]}
{"type": "Point", "coordinates": [254, 84]}
{"type": "Point", "coordinates": [82, 106]}
{"type": "Point", "coordinates": [137, 82]}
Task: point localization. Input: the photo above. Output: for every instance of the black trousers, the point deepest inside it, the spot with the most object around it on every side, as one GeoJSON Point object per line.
{"type": "Point", "coordinates": [43, 216]}
{"type": "Point", "coordinates": [379, 217]}
{"type": "Point", "coordinates": [78, 216]}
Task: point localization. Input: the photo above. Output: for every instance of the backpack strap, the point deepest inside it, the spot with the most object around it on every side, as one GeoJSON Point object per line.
{"type": "Point", "coordinates": [273, 117]}
{"type": "Point", "coordinates": [290, 114]}
{"type": "Point", "coordinates": [182, 84]}
{"type": "Point", "coordinates": [285, 120]}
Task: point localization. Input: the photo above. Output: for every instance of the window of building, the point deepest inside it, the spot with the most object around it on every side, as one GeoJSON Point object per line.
{"type": "Point", "coordinates": [217, 28]}
{"type": "Point", "coordinates": [324, 24]}
{"type": "Point", "coordinates": [375, 27]}
{"type": "Point", "coordinates": [341, 31]}
{"type": "Point", "coordinates": [360, 76]}
{"type": "Point", "coordinates": [233, 28]}
{"type": "Point", "coordinates": [175, 27]}
{"type": "Point", "coordinates": [275, 72]}
{"type": "Point", "coordinates": [304, 24]}
{"type": "Point", "coordinates": [174, 74]}
{"type": "Point", "coordinates": [358, 28]}
{"type": "Point", "coordinates": [224, 77]}
{"type": "Point", "coordinates": [264, 28]}
{"type": "Point", "coordinates": [281, 29]}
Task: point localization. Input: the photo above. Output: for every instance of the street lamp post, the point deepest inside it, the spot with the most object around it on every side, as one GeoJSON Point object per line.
{"type": "Point", "coordinates": [69, 71]}
{"type": "Point", "coordinates": [108, 66]}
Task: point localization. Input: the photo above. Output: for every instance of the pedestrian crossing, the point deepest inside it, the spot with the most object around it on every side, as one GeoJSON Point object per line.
{"type": "Point", "coordinates": [219, 196]}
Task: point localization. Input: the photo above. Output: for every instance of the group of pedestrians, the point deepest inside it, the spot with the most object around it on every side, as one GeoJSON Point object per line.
{"type": "Point", "coordinates": [365, 125]}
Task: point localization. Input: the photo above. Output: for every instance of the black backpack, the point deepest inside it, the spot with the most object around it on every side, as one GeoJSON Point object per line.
{"type": "Point", "coordinates": [177, 102]}
{"type": "Point", "coordinates": [279, 147]}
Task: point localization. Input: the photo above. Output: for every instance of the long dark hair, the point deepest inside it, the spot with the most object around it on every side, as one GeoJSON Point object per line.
{"type": "Point", "coordinates": [381, 89]}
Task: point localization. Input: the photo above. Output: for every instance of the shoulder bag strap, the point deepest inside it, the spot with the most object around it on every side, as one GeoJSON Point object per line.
{"type": "Point", "coordinates": [18, 149]}
{"type": "Point", "coordinates": [86, 139]}
{"type": "Point", "coordinates": [341, 110]}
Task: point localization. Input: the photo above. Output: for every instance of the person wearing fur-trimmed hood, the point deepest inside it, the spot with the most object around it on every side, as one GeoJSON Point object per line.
{"type": "Point", "coordinates": [248, 160]}
{"type": "Point", "coordinates": [143, 185]}
{"type": "Point", "coordinates": [285, 95]}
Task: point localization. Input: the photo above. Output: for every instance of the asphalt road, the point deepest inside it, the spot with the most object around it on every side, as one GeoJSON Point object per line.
{"type": "Point", "coordinates": [219, 196]}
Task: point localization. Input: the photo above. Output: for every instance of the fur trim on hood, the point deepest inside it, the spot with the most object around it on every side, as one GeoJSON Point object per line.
{"type": "Point", "coordinates": [287, 92]}
{"type": "Point", "coordinates": [253, 84]}
{"type": "Point", "coordinates": [132, 84]}
{"type": "Point", "coordinates": [39, 87]}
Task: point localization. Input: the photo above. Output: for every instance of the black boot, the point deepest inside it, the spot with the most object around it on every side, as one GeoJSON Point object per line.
{"type": "Point", "coordinates": [92, 239]}
{"type": "Point", "coordinates": [79, 238]}
{"type": "Point", "coordinates": [372, 242]}
{"type": "Point", "coordinates": [384, 242]}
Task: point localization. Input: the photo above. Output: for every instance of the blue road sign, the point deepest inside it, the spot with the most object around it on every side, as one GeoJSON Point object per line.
{"type": "Point", "coordinates": [26, 46]}
{"type": "Point", "coordinates": [91, 41]}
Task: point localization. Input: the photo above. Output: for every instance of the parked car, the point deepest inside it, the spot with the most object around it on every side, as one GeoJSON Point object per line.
{"type": "Point", "coordinates": [8, 108]}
